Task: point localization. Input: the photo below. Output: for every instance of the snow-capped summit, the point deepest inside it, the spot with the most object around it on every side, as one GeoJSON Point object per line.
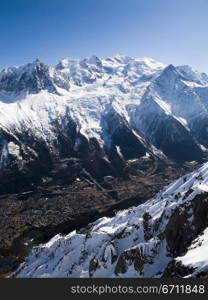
{"type": "Point", "coordinates": [120, 58]}
{"type": "Point", "coordinates": [32, 77]}
{"type": "Point", "coordinates": [190, 74]}
{"type": "Point", "coordinates": [129, 106]}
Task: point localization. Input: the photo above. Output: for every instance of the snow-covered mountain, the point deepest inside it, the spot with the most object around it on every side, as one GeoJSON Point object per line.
{"type": "Point", "coordinates": [166, 236]}
{"type": "Point", "coordinates": [102, 112]}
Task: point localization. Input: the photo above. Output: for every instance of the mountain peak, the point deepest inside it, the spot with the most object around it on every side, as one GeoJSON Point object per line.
{"type": "Point", "coordinates": [191, 74]}
{"type": "Point", "coordinates": [170, 68]}
{"type": "Point", "coordinates": [37, 61]}
{"type": "Point", "coordinates": [31, 77]}
{"type": "Point", "coordinates": [167, 74]}
{"type": "Point", "coordinates": [65, 62]}
{"type": "Point", "coordinates": [95, 60]}
{"type": "Point", "coordinates": [86, 71]}
{"type": "Point", "coordinates": [120, 58]}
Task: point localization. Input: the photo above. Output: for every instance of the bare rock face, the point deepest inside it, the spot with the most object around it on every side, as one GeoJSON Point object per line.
{"type": "Point", "coordinates": [93, 266]}
{"type": "Point", "coordinates": [147, 224]}
{"type": "Point", "coordinates": [176, 269]}
{"type": "Point", "coordinates": [135, 257]}
{"type": "Point", "coordinates": [187, 222]}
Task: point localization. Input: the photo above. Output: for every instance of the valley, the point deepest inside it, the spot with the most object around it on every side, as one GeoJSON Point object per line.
{"type": "Point", "coordinates": [35, 216]}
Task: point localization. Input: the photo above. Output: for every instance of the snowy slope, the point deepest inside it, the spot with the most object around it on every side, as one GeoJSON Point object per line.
{"type": "Point", "coordinates": [145, 241]}
{"type": "Point", "coordinates": [128, 107]}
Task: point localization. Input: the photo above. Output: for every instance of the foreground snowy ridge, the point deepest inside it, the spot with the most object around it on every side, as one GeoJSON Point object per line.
{"type": "Point", "coordinates": [166, 236]}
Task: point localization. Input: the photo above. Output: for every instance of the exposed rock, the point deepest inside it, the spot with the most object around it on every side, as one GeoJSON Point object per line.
{"type": "Point", "coordinates": [180, 231]}
{"type": "Point", "coordinates": [93, 266]}
{"type": "Point", "coordinates": [135, 257]}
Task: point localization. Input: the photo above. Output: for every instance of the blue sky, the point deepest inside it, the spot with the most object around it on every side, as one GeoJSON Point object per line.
{"type": "Point", "coordinates": [171, 31]}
